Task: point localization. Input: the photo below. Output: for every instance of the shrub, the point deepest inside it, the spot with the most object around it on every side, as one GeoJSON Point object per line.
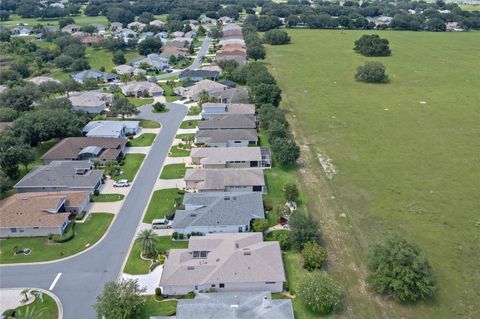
{"type": "Point", "coordinates": [189, 295]}
{"type": "Point", "coordinates": [50, 236]}
{"type": "Point", "coordinates": [9, 313]}
{"type": "Point", "coordinates": [400, 268]}
{"type": "Point", "coordinates": [290, 192]}
{"type": "Point", "coordinates": [314, 256]}
{"type": "Point", "coordinates": [260, 225]}
{"type": "Point", "coordinates": [371, 72]}
{"type": "Point", "coordinates": [80, 215]}
{"type": "Point", "coordinates": [180, 236]}
{"type": "Point", "coordinates": [276, 37]}
{"type": "Point", "coordinates": [67, 236]}
{"type": "Point", "coordinates": [283, 239]}
{"type": "Point", "coordinates": [96, 192]}
{"type": "Point", "coordinates": [159, 107]}
{"type": "Point", "coordinates": [319, 292]}
{"type": "Point", "coordinates": [158, 291]}
{"type": "Point", "coordinates": [267, 205]}
{"type": "Point", "coordinates": [372, 45]}
{"type": "Point", "coordinates": [175, 235]}
{"type": "Point", "coordinates": [303, 229]}
{"type": "Point", "coordinates": [161, 259]}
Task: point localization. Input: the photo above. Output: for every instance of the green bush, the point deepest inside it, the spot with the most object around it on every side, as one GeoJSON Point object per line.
{"type": "Point", "coordinates": [314, 256]}
{"type": "Point", "coordinates": [9, 313]}
{"type": "Point", "coordinates": [180, 236]}
{"type": "Point", "coordinates": [175, 235]}
{"type": "Point", "coordinates": [189, 295]}
{"type": "Point", "coordinates": [161, 259]}
{"type": "Point", "coordinates": [260, 225]}
{"type": "Point", "coordinates": [158, 292]}
{"type": "Point", "coordinates": [267, 205]}
{"type": "Point", "coordinates": [154, 265]}
{"type": "Point", "coordinates": [80, 215]}
{"type": "Point", "coordinates": [319, 292]}
{"type": "Point", "coordinates": [67, 236]}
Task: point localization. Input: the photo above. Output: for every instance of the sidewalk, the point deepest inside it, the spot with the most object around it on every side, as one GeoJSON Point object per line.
{"type": "Point", "coordinates": [169, 183]}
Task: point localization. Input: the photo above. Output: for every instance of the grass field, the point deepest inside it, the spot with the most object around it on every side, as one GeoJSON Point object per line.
{"type": "Point", "coordinates": [81, 20]}
{"type": "Point", "coordinates": [131, 166]}
{"type": "Point", "coordinates": [49, 304]}
{"type": "Point", "coordinates": [146, 139]}
{"type": "Point", "coordinates": [173, 171]}
{"type": "Point", "coordinates": [161, 203]}
{"type": "Point", "coordinates": [86, 234]}
{"type": "Point", "coordinates": [406, 157]}
{"type": "Point", "coordinates": [152, 307]}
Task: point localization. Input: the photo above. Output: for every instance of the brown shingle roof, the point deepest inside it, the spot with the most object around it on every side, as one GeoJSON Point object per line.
{"type": "Point", "coordinates": [69, 148]}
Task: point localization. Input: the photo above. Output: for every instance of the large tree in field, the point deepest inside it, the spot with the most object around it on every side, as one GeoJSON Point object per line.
{"type": "Point", "coordinates": [276, 37]}
{"type": "Point", "coordinates": [120, 300]}
{"type": "Point", "coordinates": [371, 72]}
{"type": "Point", "coordinates": [372, 45]}
{"type": "Point", "coordinates": [149, 45]}
{"type": "Point", "coordinates": [399, 268]}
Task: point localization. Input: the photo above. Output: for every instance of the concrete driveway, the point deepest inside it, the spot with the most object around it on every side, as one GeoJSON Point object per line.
{"type": "Point", "coordinates": [169, 183]}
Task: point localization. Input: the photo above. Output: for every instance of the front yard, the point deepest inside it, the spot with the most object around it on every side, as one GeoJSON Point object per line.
{"type": "Point", "coordinates": [162, 203]}
{"type": "Point", "coordinates": [176, 151]}
{"type": "Point", "coordinates": [49, 304]}
{"type": "Point", "coordinates": [137, 266]}
{"type": "Point", "coordinates": [140, 101]}
{"type": "Point", "coordinates": [146, 139]}
{"type": "Point", "coordinates": [86, 234]}
{"type": "Point", "coordinates": [103, 198]}
{"type": "Point", "coordinates": [173, 171]}
{"type": "Point", "coordinates": [130, 167]}
{"type": "Point", "coordinates": [189, 124]}
{"type": "Point", "coordinates": [149, 124]}
{"type": "Point", "coordinates": [170, 96]}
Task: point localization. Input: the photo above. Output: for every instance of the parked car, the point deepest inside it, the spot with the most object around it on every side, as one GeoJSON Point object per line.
{"type": "Point", "coordinates": [162, 223]}
{"type": "Point", "coordinates": [121, 183]}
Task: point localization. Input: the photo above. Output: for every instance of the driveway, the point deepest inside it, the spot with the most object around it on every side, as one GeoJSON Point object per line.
{"type": "Point", "coordinates": [149, 281]}
{"type": "Point", "coordinates": [77, 281]}
{"type": "Point", "coordinates": [138, 149]}
{"type": "Point", "coordinates": [170, 183]}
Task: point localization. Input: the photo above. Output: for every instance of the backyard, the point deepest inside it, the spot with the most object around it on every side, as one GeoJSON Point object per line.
{"type": "Point", "coordinates": [152, 307]}
{"type": "Point", "coordinates": [401, 158]}
{"type": "Point", "coordinates": [130, 167]}
{"type": "Point", "coordinates": [86, 234]}
{"type": "Point", "coordinates": [173, 171]}
{"type": "Point", "coordinates": [146, 139]}
{"type": "Point", "coordinates": [162, 203]}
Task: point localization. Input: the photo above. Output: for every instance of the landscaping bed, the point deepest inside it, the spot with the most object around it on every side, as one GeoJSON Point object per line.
{"type": "Point", "coordinates": [49, 305]}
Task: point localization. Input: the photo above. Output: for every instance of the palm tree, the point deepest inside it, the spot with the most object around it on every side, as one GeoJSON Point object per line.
{"type": "Point", "coordinates": [25, 293]}
{"type": "Point", "coordinates": [203, 97]}
{"type": "Point", "coordinates": [30, 313]}
{"type": "Point", "coordinates": [148, 240]}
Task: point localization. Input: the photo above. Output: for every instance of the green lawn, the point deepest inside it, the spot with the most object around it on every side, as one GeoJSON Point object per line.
{"type": "Point", "coordinates": [184, 136]}
{"type": "Point", "coordinates": [102, 198]}
{"type": "Point", "coordinates": [170, 96]}
{"type": "Point", "coordinates": [49, 304]}
{"type": "Point", "coordinates": [100, 57]}
{"type": "Point", "coordinates": [86, 234]}
{"type": "Point", "coordinates": [194, 110]}
{"type": "Point", "coordinates": [405, 153]}
{"type": "Point", "coordinates": [81, 20]}
{"type": "Point", "coordinates": [149, 124]}
{"type": "Point", "coordinates": [131, 166]}
{"type": "Point", "coordinates": [137, 266]}
{"type": "Point", "coordinates": [140, 101]}
{"type": "Point", "coordinates": [161, 204]}
{"type": "Point", "coordinates": [189, 124]}
{"type": "Point", "coordinates": [173, 171]}
{"type": "Point", "coordinates": [146, 139]}
{"type": "Point", "coordinates": [153, 307]}
{"type": "Point", "coordinates": [177, 152]}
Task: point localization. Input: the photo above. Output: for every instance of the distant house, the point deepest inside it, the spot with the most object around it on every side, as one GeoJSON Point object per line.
{"type": "Point", "coordinates": [212, 110]}
{"type": "Point", "coordinates": [42, 79]}
{"type": "Point", "coordinates": [225, 20]}
{"type": "Point", "coordinates": [91, 102]}
{"type": "Point", "coordinates": [453, 26]}
{"type": "Point", "coordinates": [177, 34]}
{"type": "Point", "coordinates": [233, 95]}
{"type": "Point", "coordinates": [179, 43]}
{"type": "Point", "coordinates": [198, 75]}
{"type": "Point", "coordinates": [212, 67]}
{"type": "Point", "coordinates": [228, 122]}
{"type": "Point", "coordinates": [218, 212]}
{"type": "Point", "coordinates": [136, 25]}
{"type": "Point", "coordinates": [126, 34]}
{"type": "Point", "coordinates": [39, 214]}
{"type": "Point", "coordinates": [3, 88]}
{"type": "Point", "coordinates": [231, 157]}
{"type": "Point", "coordinates": [225, 180]}
{"type": "Point", "coordinates": [233, 40]}
{"type": "Point", "coordinates": [207, 20]}
{"type": "Point", "coordinates": [169, 51]}
{"type": "Point", "coordinates": [226, 263]}
{"type": "Point", "coordinates": [86, 148]}
{"type": "Point", "coordinates": [190, 34]}
{"type": "Point", "coordinates": [61, 176]}
{"type": "Point", "coordinates": [234, 305]}
{"type": "Point", "coordinates": [112, 129]}
{"type": "Point", "coordinates": [116, 26]}
{"type": "Point", "coordinates": [155, 61]}
{"type": "Point", "coordinates": [4, 125]}
{"type": "Point", "coordinates": [81, 76]}
{"type": "Point", "coordinates": [20, 31]}
{"type": "Point", "coordinates": [100, 27]}
{"type": "Point", "coordinates": [91, 40]}
{"type": "Point", "coordinates": [71, 28]}
{"type": "Point", "coordinates": [139, 88]}
{"type": "Point", "coordinates": [128, 70]}
{"type": "Point", "coordinates": [192, 92]}
{"type": "Point", "coordinates": [227, 138]}
{"type": "Point", "coordinates": [157, 23]}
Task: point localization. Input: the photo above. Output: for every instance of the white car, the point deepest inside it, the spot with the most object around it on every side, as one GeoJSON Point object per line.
{"type": "Point", "coordinates": [161, 223]}
{"type": "Point", "coordinates": [121, 183]}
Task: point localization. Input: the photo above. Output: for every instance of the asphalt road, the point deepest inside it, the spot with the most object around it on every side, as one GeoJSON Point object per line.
{"type": "Point", "coordinates": [84, 276]}
{"type": "Point", "coordinates": [196, 63]}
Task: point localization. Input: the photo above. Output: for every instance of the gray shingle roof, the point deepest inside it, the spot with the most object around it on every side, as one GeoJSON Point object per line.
{"type": "Point", "coordinates": [199, 73]}
{"type": "Point", "coordinates": [229, 121]}
{"type": "Point", "coordinates": [219, 209]}
{"type": "Point", "coordinates": [223, 136]}
{"type": "Point", "coordinates": [222, 155]}
{"type": "Point", "coordinates": [219, 179]}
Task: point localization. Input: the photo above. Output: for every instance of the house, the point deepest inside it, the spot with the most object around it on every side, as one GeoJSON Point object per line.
{"type": "Point", "coordinates": [61, 176]}
{"type": "Point", "coordinates": [226, 263]}
{"type": "Point", "coordinates": [3, 88]}
{"type": "Point", "coordinates": [212, 67]}
{"type": "Point", "coordinates": [225, 20]}
{"type": "Point", "coordinates": [155, 61]}
{"type": "Point", "coordinates": [91, 102]}
{"type": "Point", "coordinates": [233, 47]}
{"type": "Point", "coordinates": [227, 138]}
{"type": "Point", "coordinates": [112, 129]}
{"type": "Point", "coordinates": [207, 20]}
{"type": "Point", "coordinates": [116, 26]}
{"type": "Point", "coordinates": [228, 122]}
{"type": "Point", "coordinates": [85, 148]}
{"type": "Point", "coordinates": [128, 70]}
{"type": "Point", "coordinates": [192, 92]}
{"type": "Point", "coordinates": [230, 157]}
{"type": "Point", "coordinates": [233, 95]}
{"type": "Point", "coordinates": [225, 180]}
{"type": "Point", "coordinates": [218, 212]}
{"type": "Point", "coordinates": [42, 79]}
{"type": "Point", "coordinates": [100, 27]}
{"type": "Point", "coordinates": [20, 31]}
{"type": "Point", "coordinates": [71, 28]}
{"type": "Point", "coordinates": [190, 34]}
{"type": "Point", "coordinates": [228, 41]}
{"type": "Point", "coordinates": [136, 26]}
{"type": "Point", "coordinates": [231, 29]}
{"type": "Point", "coordinates": [39, 214]}
{"type": "Point", "coordinates": [81, 76]}
{"type": "Point", "coordinates": [138, 89]}
{"type": "Point", "coordinates": [179, 42]}
{"type": "Point", "coordinates": [169, 51]}
{"type": "Point", "coordinates": [126, 34]}
{"type": "Point", "coordinates": [453, 26]}
{"type": "Point", "coordinates": [212, 110]}
{"type": "Point", "coordinates": [238, 55]}
{"type": "Point", "coordinates": [177, 34]}
{"type": "Point", "coordinates": [234, 305]}
{"type": "Point", "coordinates": [198, 75]}
{"type": "Point", "coordinates": [91, 40]}
{"type": "Point", "coordinates": [5, 125]}
{"type": "Point", "coordinates": [157, 23]}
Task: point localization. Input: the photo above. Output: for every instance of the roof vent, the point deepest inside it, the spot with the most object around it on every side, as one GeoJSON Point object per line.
{"type": "Point", "coordinates": [190, 268]}
{"type": "Point", "coordinates": [226, 198]}
{"type": "Point", "coordinates": [247, 253]}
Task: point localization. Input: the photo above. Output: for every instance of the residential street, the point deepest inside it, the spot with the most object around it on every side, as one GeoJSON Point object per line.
{"type": "Point", "coordinates": [83, 277]}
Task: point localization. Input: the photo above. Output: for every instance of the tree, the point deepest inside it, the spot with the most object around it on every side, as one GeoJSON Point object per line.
{"type": "Point", "coordinates": [50, 87]}
{"type": "Point", "coordinates": [319, 292]}
{"type": "Point", "coordinates": [25, 292]}
{"type": "Point", "coordinates": [266, 94]}
{"type": "Point", "coordinates": [303, 229]}
{"type": "Point", "coordinates": [277, 130]}
{"type": "Point", "coordinates": [21, 68]}
{"type": "Point", "coordinates": [290, 191]}
{"type": "Point", "coordinates": [146, 17]}
{"type": "Point", "coordinates": [260, 225]}
{"type": "Point", "coordinates": [159, 107]}
{"type": "Point", "coordinates": [149, 45]}
{"type": "Point", "coordinates": [436, 24]}
{"type": "Point", "coordinates": [63, 62]}
{"type": "Point", "coordinates": [372, 45]}
{"type": "Point", "coordinates": [276, 37]}
{"type": "Point", "coordinates": [7, 114]}
{"type": "Point", "coordinates": [112, 169]}
{"type": "Point", "coordinates": [90, 29]}
{"type": "Point", "coordinates": [90, 83]}
{"type": "Point", "coordinates": [399, 268]}
{"type": "Point", "coordinates": [20, 98]}
{"type": "Point", "coordinates": [148, 241]}
{"type": "Point", "coordinates": [80, 64]}
{"type": "Point", "coordinates": [314, 256]}
{"type": "Point", "coordinates": [285, 151]}
{"type": "Point", "coordinates": [371, 72]}
{"type": "Point", "coordinates": [5, 36]}
{"type": "Point", "coordinates": [65, 21]}
{"type": "Point", "coordinates": [256, 52]}
{"type": "Point", "coordinates": [5, 181]}
{"type": "Point", "coordinates": [118, 14]}
{"type": "Point", "coordinates": [120, 299]}
{"type": "Point", "coordinates": [283, 238]}
{"type": "Point", "coordinates": [122, 106]}
{"type": "Point", "coordinates": [10, 77]}
{"type": "Point", "coordinates": [119, 58]}
{"type": "Point", "coordinates": [4, 15]}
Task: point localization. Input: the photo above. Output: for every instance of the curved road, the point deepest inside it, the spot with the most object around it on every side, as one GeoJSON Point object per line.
{"type": "Point", "coordinates": [84, 276]}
